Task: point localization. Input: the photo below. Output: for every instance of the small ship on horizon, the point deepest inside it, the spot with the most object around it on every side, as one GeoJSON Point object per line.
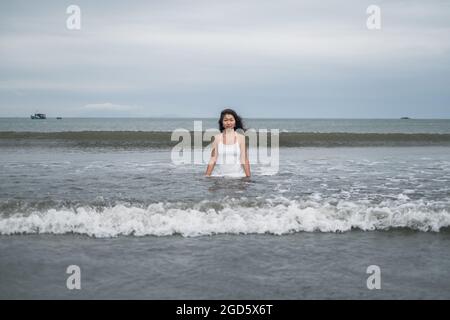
{"type": "Point", "coordinates": [38, 116]}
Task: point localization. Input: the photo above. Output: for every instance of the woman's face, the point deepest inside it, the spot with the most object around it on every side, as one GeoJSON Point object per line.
{"type": "Point", "coordinates": [228, 121]}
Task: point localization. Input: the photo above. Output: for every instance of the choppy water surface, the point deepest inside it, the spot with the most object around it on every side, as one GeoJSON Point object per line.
{"type": "Point", "coordinates": [112, 193]}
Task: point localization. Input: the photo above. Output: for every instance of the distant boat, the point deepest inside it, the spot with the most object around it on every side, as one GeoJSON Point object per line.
{"type": "Point", "coordinates": [58, 118]}
{"type": "Point", "coordinates": [38, 116]}
{"type": "Point", "coordinates": [405, 118]}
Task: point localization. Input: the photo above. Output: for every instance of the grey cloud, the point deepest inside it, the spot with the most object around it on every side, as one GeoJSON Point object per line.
{"type": "Point", "coordinates": [287, 58]}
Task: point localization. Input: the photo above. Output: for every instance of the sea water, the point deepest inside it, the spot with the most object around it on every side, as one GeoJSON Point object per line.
{"type": "Point", "coordinates": [140, 226]}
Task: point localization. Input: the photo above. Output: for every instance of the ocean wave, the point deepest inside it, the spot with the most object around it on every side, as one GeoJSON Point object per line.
{"type": "Point", "coordinates": [162, 139]}
{"type": "Point", "coordinates": [276, 217]}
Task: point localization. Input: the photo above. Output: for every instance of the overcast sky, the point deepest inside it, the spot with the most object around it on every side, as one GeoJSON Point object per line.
{"type": "Point", "coordinates": [191, 58]}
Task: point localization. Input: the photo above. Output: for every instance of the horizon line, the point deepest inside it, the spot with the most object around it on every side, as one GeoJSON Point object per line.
{"type": "Point", "coordinates": [256, 118]}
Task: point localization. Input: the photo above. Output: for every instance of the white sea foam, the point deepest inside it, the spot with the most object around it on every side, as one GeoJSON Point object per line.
{"type": "Point", "coordinates": [275, 217]}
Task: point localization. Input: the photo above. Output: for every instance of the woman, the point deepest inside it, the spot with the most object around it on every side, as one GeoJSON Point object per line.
{"type": "Point", "coordinates": [228, 149]}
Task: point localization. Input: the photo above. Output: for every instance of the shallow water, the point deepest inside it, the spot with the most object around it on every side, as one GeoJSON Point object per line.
{"type": "Point", "coordinates": [113, 192]}
{"type": "Point", "coordinates": [140, 226]}
{"type": "Point", "coordinates": [413, 265]}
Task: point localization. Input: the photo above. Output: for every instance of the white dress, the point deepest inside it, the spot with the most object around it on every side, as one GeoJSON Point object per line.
{"type": "Point", "coordinates": [228, 162]}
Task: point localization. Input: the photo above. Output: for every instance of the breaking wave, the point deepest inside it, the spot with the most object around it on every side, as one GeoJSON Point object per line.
{"type": "Point", "coordinates": [205, 218]}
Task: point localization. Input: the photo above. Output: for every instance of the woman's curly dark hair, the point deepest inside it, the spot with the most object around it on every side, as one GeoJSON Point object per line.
{"type": "Point", "coordinates": [239, 122]}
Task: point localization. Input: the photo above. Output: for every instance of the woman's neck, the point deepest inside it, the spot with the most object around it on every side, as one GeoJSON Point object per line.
{"type": "Point", "coordinates": [229, 131]}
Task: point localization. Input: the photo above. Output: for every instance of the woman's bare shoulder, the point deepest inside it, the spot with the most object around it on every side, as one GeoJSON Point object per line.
{"type": "Point", "coordinates": [217, 138]}
{"type": "Point", "coordinates": [240, 136]}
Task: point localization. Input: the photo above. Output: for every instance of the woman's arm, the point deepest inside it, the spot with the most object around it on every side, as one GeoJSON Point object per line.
{"type": "Point", "coordinates": [213, 159]}
{"type": "Point", "coordinates": [244, 156]}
